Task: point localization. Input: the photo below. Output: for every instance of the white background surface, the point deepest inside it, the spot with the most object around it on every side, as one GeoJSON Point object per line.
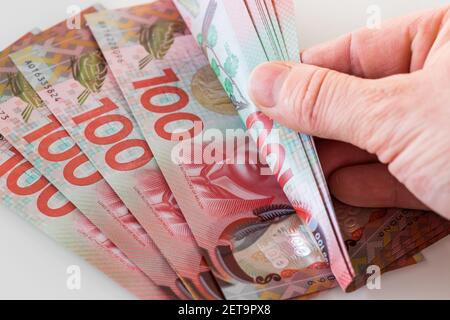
{"type": "Point", "coordinates": [32, 266]}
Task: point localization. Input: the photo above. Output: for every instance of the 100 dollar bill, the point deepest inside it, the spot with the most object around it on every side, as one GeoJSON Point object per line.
{"type": "Point", "coordinates": [87, 101]}
{"type": "Point", "coordinates": [236, 36]}
{"type": "Point", "coordinates": [26, 192]}
{"type": "Point", "coordinates": [249, 232]}
{"type": "Point", "coordinates": [115, 37]}
{"type": "Point", "coordinates": [43, 142]}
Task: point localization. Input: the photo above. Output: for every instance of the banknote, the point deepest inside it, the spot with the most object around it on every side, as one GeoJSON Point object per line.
{"type": "Point", "coordinates": [381, 229]}
{"type": "Point", "coordinates": [26, 192]}
{"type": "Point", "coordinates": [405, 261]}
{"type": "Point", "coordinates": [42, 140]}
{"type": "Point", "coordinates": [382, 236]}
{"type": "Point", "coordinates": [291, 156]}
{"type": "Point", "coordinates": [407, 242]}
{"type": "Point", "coordinates": [207, 102]}
{"type": "Point", "coordinates": [390, 239]}
{"type": "Point", "coordinates": [401, 259]}
{"type": "Point", "coordinates": [188, 96]}
{"type": "Point", "coordinates": [258, 31]}
{"type": "Point", "coordinates": [247, 229]}
{"type": "Point", "coordinates": [426, 237]}
{"type": "Point", "coordinates": [94, 112]}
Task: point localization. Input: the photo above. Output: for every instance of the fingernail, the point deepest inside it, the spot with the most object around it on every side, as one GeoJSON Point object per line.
{"type": "Point", "coordinates": [266, 82]}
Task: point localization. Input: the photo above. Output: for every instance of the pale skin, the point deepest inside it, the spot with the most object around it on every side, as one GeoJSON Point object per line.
{"type": "Point", "coordinates": [379, 101]}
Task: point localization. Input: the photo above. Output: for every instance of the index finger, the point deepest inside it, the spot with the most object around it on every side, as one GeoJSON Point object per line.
{"type": "Point", "coordinates": [401, 45]}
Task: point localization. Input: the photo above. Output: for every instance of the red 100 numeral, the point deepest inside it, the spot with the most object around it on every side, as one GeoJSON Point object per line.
{"type": "Point", "coordinates": [16, 167]}
{"type": "Point", "coordinates": [99, 118]}
{"type": "Point", "coordinates": [270, 148]}
{"type": "Point", "coordinates": [51, 133]}
{"type": "Point", "coordinates": [157, 86]}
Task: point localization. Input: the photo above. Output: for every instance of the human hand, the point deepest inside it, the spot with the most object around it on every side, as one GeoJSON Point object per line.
{"type": "Point", "coordinates": [385, 91]}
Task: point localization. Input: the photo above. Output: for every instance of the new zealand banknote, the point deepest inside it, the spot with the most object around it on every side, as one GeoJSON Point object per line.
{"type": "Point", "coordinates": [211, 100]}
{"type": "Point", "coordinates": [360, 234]}
{"type": "Point", "coordinates": [92, 109]}
{"type": "Point", "coordinates": [26, 192]}
{"type": "Point", "coordinates": [43, 141]}
{"type": "Point", "coordinates": [258, 31]}
{"type": "Point", "coordinates": [385, 237]}
{"type": "Point", "coordinates": [248, 41]}
{"type": "Point", "coordinates": [249, 232]}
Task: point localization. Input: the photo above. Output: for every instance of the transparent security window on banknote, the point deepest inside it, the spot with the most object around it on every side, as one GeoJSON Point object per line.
{"type": "Point", "coordinates": [260, 242]}
{"type": "Point", "coordinates": [248, 192]}
{"type": "Point", "coordinates": [97, 117]}
{"type": "Point", "coordinates": [236, 36]}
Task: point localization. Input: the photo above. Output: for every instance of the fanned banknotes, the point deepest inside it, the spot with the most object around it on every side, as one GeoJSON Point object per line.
{"type": "Point", "coordinates": [93, 111]}
{"type": "Point", "coordinates": [260, 31]}
{"type": "Point", "coordinates": [372, 237]}
{"type": "Point", "coordinates": [169, 89]}
{"type": "Point", "coordinates": [161, 171]}
{"type": "Point", "coordinates": [250, 40]}
{"type": "Point", "coordinates": [29, 126]}
{"type": "Point", "coordinates": [248, 231]}
{"type": "Point", "coordinates": [25, 191]}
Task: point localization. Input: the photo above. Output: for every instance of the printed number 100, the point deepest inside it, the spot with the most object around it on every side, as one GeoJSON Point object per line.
{"type": "Point", "coordinates": [171, 112]}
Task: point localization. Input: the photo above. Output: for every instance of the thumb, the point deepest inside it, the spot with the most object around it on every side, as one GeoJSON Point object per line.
{"type": "Point", "coordinates": [325, 103]}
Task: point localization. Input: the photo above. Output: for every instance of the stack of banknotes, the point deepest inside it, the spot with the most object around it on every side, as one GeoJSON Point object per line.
{"type": "Point", "coordinates": [129, 137]}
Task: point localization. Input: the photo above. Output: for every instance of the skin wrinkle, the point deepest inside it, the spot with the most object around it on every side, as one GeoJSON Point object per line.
{"type": "Point", "coordinates": [347, 99]}
{"type": "Point", "coordinates": [384, 115]}
{"type": "Point", "coordinates": [310, 106]}
{"type": "Point", "coordinates": [411, 53]}
{"type": "Point", "coordinates": [294, 97]}
{"type": "Point", "coordinates": [436, 43]}
{"type": "Point", "coordinates": [415, 173]}
{"type": "Point", "coordinates": [354, 59]}
{"type": "Point", "coordinates": [422, 140]}
{"type": "Point", "coordinates": [394, 140]}
{"type": "Point", "coordinates": [432, 60]}
{"type": "Point", "coordinates": [369, 130]}
{"type": "Point", "coordinates": [397, 110]}
{"type": "Point", "coordinates": [432, 36]}
{"type": "Point", "coordinates": [412, 36]}
{"type": "Point", "coordinates": [391, 148]}
{"type": "Point", "coordinates": [398, 143]}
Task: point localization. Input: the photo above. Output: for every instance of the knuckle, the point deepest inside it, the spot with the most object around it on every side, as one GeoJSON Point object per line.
{"type": "Point", "coordinates": [309, 98]}
{"type": "Point", "coordinates": [383, 108]}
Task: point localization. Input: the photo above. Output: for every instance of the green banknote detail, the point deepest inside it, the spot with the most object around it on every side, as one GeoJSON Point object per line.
{"type": "Point", "coordinates": [97, 117]}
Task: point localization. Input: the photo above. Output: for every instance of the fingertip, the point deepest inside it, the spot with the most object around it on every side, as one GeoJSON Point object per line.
{"type": "Point", "coordinates": [371, 186]}
{"type": "Point", "coordinates": [332, 55]}
{"type": "Point", "coordinates": [340, 188]}
{"type": "Point", "coordinates": [265, 83]}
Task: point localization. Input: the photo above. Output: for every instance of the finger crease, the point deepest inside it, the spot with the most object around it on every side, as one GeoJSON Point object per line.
{"type": "Point", "coordinates": [313, 93]}
{"type": "Point", "coordinates": [355, 62]}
